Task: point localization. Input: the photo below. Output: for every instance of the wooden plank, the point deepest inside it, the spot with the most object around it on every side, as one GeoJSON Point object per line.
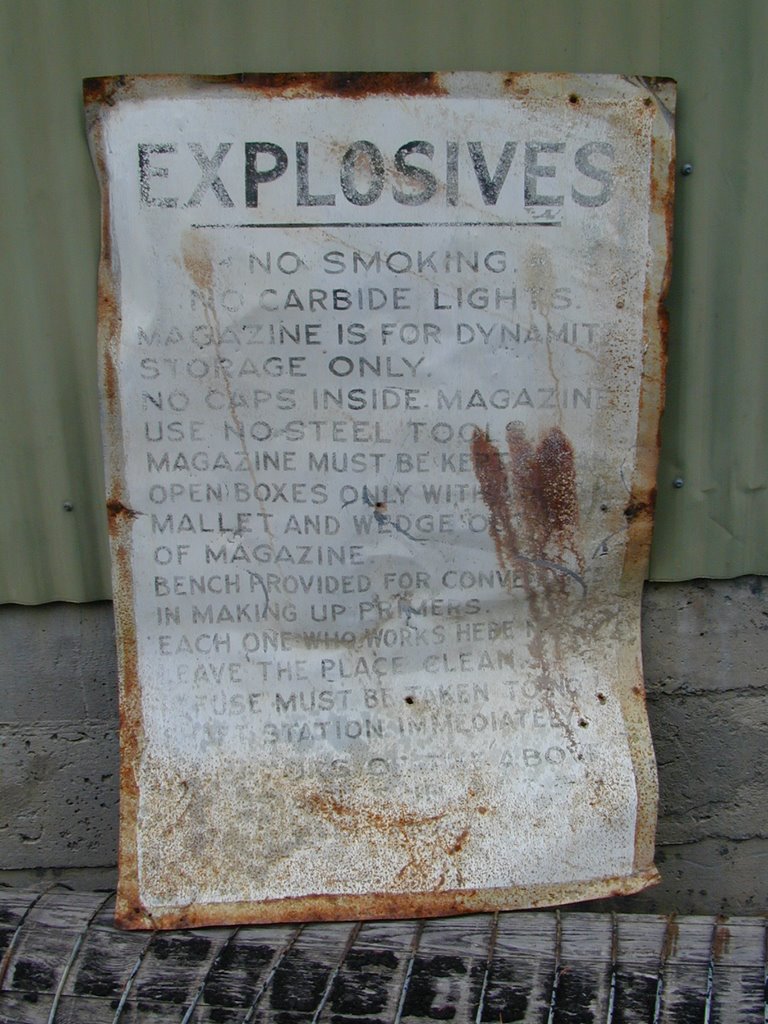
{"type": "Point", "coordinates": [448, 970]}
{"type": "Point", "coordinates": [13, 913]}
{"type": "Point", "coordinates": [44, 949]}
{"type": "Point", "coordinates": [739, 971]}
{"type": "Point", "coordinates": [173, 969]}
{"type": "Point", "coordinates": [60, 908]}
{"type": "Point", "coordinates": [686, 970]}
{"type": "Point", "coordinates": [243, 972]}
{"type": "Point", "coordinates": [522, 972]}
{"type": "Point", "coordinates": [538, 967]}
{"type": "Point", "coordinates": [13, 905]}
{"type": "Point", "coordinates": [42, 952]}
{"type": "Point", "coordinates": [639, 961]}
{"type": "Point", "coordinates": [370, 982]}
{"type": "Point", "coordinates": [104, 962]}
{"type": "Point", "coordinates": [24, 1008]}
{"type": "Point", "coordinates": [301, 979]}
{"type": "Point", "coordinates": [586, 960]}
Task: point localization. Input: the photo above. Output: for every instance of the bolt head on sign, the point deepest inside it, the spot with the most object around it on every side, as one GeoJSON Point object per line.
{"type": "Point", "coordinates": [382, 370]}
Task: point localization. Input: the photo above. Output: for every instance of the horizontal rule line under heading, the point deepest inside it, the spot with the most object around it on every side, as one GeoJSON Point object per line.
{"type": "Point", "coordinates": [399, 224]}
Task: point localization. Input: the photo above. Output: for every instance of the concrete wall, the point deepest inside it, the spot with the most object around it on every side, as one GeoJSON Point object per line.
{"type": "Point", "coordinates": [706, 653]}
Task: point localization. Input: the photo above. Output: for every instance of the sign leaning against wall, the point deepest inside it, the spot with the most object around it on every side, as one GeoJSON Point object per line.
{"type": "Point", "coordinates": [382, 371]}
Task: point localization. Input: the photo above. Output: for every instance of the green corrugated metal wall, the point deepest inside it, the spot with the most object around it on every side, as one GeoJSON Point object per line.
{"type": "Point", "coordinates": [714, 434]}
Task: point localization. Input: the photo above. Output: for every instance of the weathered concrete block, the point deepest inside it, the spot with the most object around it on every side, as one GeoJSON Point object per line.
{"type": "Point", "coordinates": [705, 654]}
{"type": "Point", "coordinates": [58, 663]}
{"type": "Point", "coordinates": [713, 772]}
{"type": "Point", "coordinates": [706, 635]}
{"type": "Point", "coordinates": [710, 876]}
{"type": "Point", "coordinates": [59, 782]}
{"type": "Point", "coordinates": [58, 736]}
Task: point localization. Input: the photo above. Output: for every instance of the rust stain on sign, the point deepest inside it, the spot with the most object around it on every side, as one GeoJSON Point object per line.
{"type": "Point", "coordinates": [382, 374]}
{"type": "Point", "coordinates": [539, 492]}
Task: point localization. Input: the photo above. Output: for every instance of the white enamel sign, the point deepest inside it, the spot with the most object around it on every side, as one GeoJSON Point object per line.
{"type": "Point", "coordinates": [382, 375]}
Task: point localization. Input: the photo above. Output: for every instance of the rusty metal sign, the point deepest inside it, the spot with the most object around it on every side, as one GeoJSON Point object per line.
{"type": "Point", "coordinates": [382, 369]}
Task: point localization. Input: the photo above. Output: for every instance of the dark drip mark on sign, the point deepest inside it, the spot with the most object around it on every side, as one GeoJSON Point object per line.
{"type": "Point", "coordinates": [532, 504]}
{"type": "Point", "coordinates": [533, 522]}
{"type": "Point", "coordinates": [492, 477]}
{"type": "Point", "coordinates": [544, 482]}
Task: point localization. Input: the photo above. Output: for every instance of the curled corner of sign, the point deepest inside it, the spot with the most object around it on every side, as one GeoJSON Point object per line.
{"type": "Point", "coordinates": [661, 90]}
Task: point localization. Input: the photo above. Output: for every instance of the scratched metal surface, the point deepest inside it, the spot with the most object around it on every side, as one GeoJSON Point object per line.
{"type": "Point", "coordinates": [63, 962]}
{"type": "Point", "coordinates": [237, 823]}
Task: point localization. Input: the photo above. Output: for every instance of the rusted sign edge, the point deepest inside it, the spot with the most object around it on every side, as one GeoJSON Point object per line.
{"type": "Point", "coordinates": [377, 906]}
{"type": "Point", "coordinates": [639, 511]}
{"type": "Point", "coordinates": [102, 93]}
{"type": "Point", "coordinates": [109, 90]}
{"type": "Point", "coordinates": [119, 522]}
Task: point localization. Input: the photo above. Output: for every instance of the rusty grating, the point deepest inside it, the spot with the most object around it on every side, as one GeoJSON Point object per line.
{"type": "Point", "coordinates": [382, 373]}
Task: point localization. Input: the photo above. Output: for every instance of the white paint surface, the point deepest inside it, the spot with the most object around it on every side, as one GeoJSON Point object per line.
{"type": "Point", "coordinates": [461, 724]}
